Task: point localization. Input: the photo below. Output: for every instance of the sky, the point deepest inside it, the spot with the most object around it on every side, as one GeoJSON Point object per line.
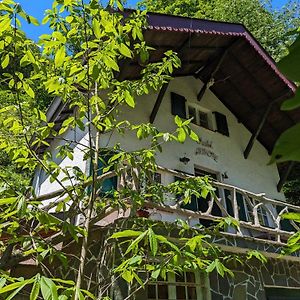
{"type": "Point", "coordinates": [36, 8]}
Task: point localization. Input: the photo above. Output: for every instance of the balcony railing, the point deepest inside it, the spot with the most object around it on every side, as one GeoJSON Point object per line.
{"type": "Point", "coordinates": [259, 217]}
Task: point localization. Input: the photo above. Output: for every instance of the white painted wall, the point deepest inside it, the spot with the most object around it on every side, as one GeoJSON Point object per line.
{"type": "Point", "coordinates": [252, 174]}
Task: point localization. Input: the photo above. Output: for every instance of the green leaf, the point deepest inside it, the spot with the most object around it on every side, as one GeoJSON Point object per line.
{"type": "Point", "coordinates": [35, 289]}
{"type": "Point", "coordinates": [5, 24]}
{"type": "Point", "coordinates": [211, 267]}
{"type": "Point", "coordinates": [129, 99]}
{"type": "Point", "coordinates": [15, 285]}
{"type": "Point", "coordinates": [60, 57]}
{"type": "Point", "coordinates": [287, 146]}
{"type": "Point", "coordinates": [292, 216]}
{"type": "Point", "coordinates": [219, 267]}
{"type": "Point", "coordinates": [194, 136]}
{"type": "Point", "coordinates": [134, 244]}
{"type": "Point", "coordinates": [290, 64]}
{"type": "Point", "coordinates": [110, 63]}
{"type": "Point", "coordinates": [164, 240]}
{"type": "Point", "coordinates": [48, 288]}
{"type": "Point", "coordinates": [126, 233]}
{"type": "Point", "coordinates": [96, 28]}
{"type": "Point", "coordinates": [294, 239]}
{"type": "Point", "coordinates": [178, 121]}
{"type": "Point", "coordinates": [29, 91]}
{"type": "Point", "coordinates": [292, 103]}
{"type": "Point", "coordinates": [257, 255]}
{"type": "Point", "coordinates": [2, 282]}
{"type": "Point", "coordinates": [33, 20]}
{"type": "Point", "coordinates": [128, 276]}
{"type": "Point", "coordinates": [89, 294]}
{"type": "Point", "coordinates": [8, 200]}
{"type": "Point", "coordinates": [181, 135]}
{"type": "Point", "coordinates": [14, 293]}
{"type": "Point", "coordinates": [152, 241]}
{"type": "Point", "coordinates": [5, 61]}
{"type": "Point", "coordinates": [155, 273]}
{"type": "Point", "coordinates": [124, 50]}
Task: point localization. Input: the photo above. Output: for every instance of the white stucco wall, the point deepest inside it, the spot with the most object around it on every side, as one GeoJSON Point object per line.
{"type": "Point", "coordinates": [252, 174]}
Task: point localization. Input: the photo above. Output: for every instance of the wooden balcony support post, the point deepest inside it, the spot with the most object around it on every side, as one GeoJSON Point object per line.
{"type": "Point", "coordinates": [285, 175]}
{"type": "Point", "coordinates": [258, 130]}
{"type": "Point", "coordinates": [235, 204]}
{"type": "Point", "coordinates": [158, 102]}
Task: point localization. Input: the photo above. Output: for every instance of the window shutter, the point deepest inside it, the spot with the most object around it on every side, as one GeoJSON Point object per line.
{"type": "Point", "coordinates": [178, 105]}
{"type": "Point", "coordinates": [222, 125]}
{"type": "Point", "coordinates": [108, 185]}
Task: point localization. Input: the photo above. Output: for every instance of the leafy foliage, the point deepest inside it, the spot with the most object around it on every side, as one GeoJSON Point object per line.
{"type": "Point", "coordinates": [287, 146]}
{"type": "Point", "coordinates": [86, 78]}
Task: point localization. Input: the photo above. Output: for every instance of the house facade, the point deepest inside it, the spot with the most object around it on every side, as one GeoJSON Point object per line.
{"type": "Point", "coordinates": [233, 90]}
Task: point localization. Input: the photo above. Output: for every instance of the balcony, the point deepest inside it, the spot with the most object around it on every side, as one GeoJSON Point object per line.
{"type": "Point", "coordinates": [261, 225]}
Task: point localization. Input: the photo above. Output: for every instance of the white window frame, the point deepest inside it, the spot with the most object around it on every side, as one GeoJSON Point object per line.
{"type": "Point", "coordinates": [198, 110]}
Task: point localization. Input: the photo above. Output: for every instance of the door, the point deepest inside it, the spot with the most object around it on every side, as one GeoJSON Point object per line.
{"type": "Point", "coordinates": [203, 203]}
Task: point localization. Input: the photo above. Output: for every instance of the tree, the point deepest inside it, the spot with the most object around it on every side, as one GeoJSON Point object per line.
{"type": "Point", "coordinates": [268, 25]}
{"type": "Point", "coordinates": [88, 81]}
{"type": "Point", "coordinates": [11, 176]}
{"type": "Point", "coordinates": [287, 147]}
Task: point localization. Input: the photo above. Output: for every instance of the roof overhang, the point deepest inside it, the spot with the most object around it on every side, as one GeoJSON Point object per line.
{"type": "Point", "coordinates": [247, 79]}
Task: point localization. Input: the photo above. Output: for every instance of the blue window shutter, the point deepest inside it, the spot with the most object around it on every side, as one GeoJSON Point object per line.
{"type": "Point", "coordinates": [109, 184]}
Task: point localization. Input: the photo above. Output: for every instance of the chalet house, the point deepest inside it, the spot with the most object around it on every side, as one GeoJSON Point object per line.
{"type": "Point", "coordinates": [233, 90]}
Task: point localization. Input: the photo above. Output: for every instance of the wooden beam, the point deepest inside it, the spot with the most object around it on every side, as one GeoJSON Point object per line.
{"type": "Point", "coordinates": [163, 90]}
{"type": "Point", "coordinates": [285, 176]}
{"type": "Point", "coordinates": [207, 83]}
{"type": "Point", "coordinates": [258, 130]}
{"type": "Point", "coordinates": [158, 102]}
{"type": "Point", "coordinates": [252, 109]}
{"type": "Point", "coordinates": [260, 86]}
{"type": "Point", "coordinates": [219, 60]}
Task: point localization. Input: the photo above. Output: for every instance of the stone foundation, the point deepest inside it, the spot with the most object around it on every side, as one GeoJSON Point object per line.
{"type": "Point", "coordinates": [251, 280]}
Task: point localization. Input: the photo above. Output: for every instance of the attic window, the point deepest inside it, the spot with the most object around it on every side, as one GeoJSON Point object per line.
{"type": "Point", "coordinates": [199, 116]}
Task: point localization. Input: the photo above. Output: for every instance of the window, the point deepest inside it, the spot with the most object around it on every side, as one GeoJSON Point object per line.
{"type": "Point", "coordinates": [201, 204]}
{"type": "Point", "coordinates": [192, 114]}
{"type": "Point", "coordinates": [200, 117]}
{"type": "Point", "coordinates": [203, 119]}
{"type": "Point", "coordinates": [109, 185]}
{"type": "Point", "coordinates": [186, 286]}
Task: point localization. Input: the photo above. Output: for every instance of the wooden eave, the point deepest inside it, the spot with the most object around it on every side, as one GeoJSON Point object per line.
{"type": "Point", "coordinates": [246, 82]}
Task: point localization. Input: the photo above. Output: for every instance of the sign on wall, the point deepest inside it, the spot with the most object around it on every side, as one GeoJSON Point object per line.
{"type": "Point", "coordinates": [206, 149]}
